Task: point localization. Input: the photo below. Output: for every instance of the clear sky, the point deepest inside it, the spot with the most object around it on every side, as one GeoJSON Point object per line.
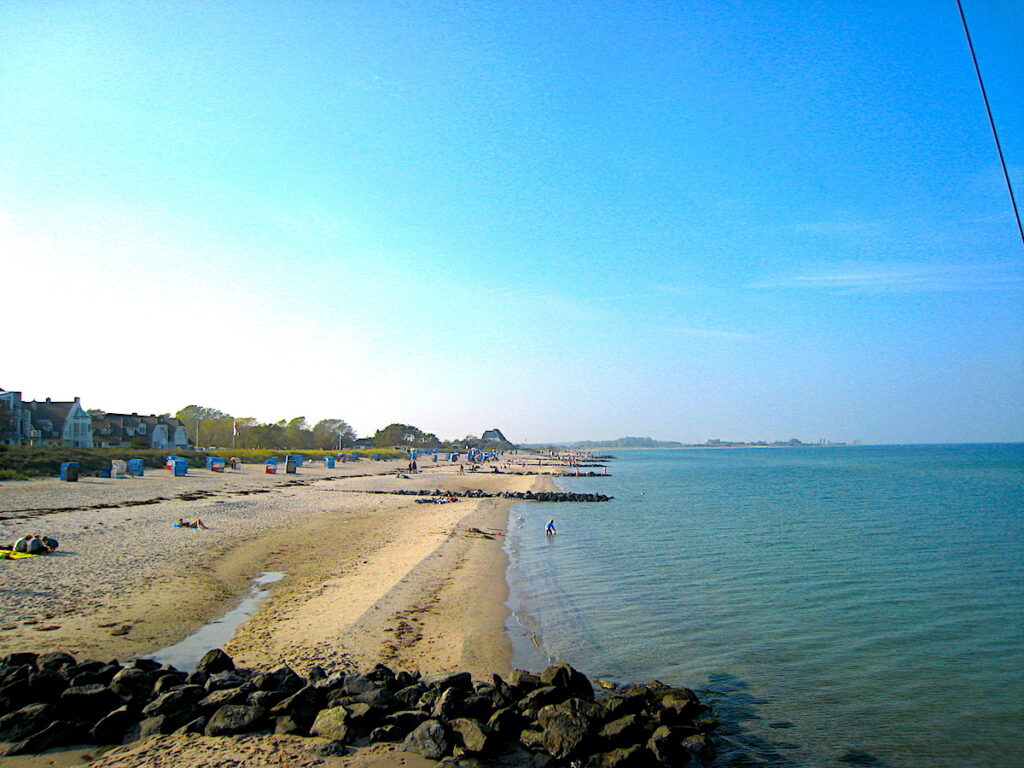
{"type": "Point", "coordinates": [739, 220]}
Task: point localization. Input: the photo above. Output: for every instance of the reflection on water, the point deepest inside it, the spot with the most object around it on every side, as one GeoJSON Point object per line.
{"type": "Point", "coordinates": [186, 654]}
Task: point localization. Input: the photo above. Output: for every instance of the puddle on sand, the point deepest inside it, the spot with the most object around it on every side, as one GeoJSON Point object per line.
{"type": "Point", "coordinates": [186, 654]}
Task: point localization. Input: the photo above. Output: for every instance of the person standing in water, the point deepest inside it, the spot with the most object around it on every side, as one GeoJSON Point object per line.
{"type": "Point", "coordinates": [549, 529]}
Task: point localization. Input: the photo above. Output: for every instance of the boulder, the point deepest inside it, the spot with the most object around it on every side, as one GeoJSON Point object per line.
{"type": "Point", "coordinates": [564, 676]}
{"type": "Point", "coordinates": [477, 707]}
{"type": "Point", "coordinates": [633, 756]}
{"type": "Point", "coordinates": [625, 704]}
{"type": "Point", "coordinates": [265, 699]}
{"type": "Point", "coordinates": [218, 699]}
{"type": "Point", "coordinates": [55, 660]}
{"type": "Point", "coordinates": [700, 746]}
{"type": "Point", "coordinates": [215, 661]}
{"type": "Point", "coordinates": [332, 723]}
{"type": "Point", "coordinates": [132, 685]}
{"type": "Point", "coordinates": [565, 734]}
{"type": "Point", "coordinates": [220, 681]}
{"type": "Point", "coordinates": [168, 680]}
{"type": "Point", "coordinates": [507, 723]}
{"type": "Point", "coordinates": [287, 679]}
{"type": "Point", "coordinates": [234, 718]}
{"type": "Point", "coordinates": [523, 681]}
{"type": "Point", "coordinates": [19, 660]}
{"type": "Point", "coordinates": [88, 702]}
{"type": "Point", "coordinates": [111, 728]}
{"type": "Point", "coordinates": [386, 733]}
{"type": "Point", "coordinates": [665, 744]}
{"type": "Point", "coordinates": [410, 694]}
{"type": "Point", "coordinates": [448, 704]}
{"type": "Point", "coordinates": [428, 739]}
{"type": "Point", "coordinates": [442, 681]}
{"type": "Point", "coordinates": [146, 665]}
{"type": "Point", "coordinates": [22, 723]}
{"type": "Point", "coordinates": [45, 685]}
{"type": "Point", "coordinates": [57, 733]}
{"type": "Point", "coordinates": [406, 719]}
{"type": "Point", "coordinates": [197, 727]}
{"type": "Point", "coordinates": [542, 697]}
{"type": "Point", "coordinates": [624, 731]}
{"type": "Point", "coordinates": [472, 736]}
{"type": "Point", "coordinates": [302, 706]}
{"type": "Point", "coordinates": [175, 701]}
{"type": "Point", "coordinates": [284, 724]}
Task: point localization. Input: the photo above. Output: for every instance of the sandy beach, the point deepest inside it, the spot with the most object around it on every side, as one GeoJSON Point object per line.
{"type": "Point", "coordinates": [368, 577]}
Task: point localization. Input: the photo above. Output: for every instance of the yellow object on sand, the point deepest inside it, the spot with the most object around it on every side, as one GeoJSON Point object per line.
{"type": "Point", "coordinates": [10, 554]}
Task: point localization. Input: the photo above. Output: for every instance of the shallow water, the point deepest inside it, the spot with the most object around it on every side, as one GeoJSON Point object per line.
{"type": "Point", "coordinates": [187, 653]}
{"type": "Point", "coordinates": [841, 606]}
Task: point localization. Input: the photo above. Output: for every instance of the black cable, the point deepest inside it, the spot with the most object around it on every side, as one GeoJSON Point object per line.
{"type": "Point", "coordinates": [991, 122]}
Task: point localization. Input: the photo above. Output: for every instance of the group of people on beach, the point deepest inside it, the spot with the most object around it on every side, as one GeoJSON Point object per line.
{"type": "Point", "coordinates": [34, 544]}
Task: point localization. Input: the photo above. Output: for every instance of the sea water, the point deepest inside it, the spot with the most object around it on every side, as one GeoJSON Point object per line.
{"type": "Point", "coordinates": [837, 606]}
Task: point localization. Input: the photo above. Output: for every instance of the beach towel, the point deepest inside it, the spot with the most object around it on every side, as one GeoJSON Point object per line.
{"type": "Point", "coordinates": [9, 554]}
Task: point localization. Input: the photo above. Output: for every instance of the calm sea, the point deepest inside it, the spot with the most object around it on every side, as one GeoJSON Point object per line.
{"type": "Point", "coordinates": [839, 606]}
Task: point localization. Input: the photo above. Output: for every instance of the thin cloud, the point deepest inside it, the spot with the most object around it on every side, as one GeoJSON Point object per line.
{"type": "Point", "coordinates": [873, 277]}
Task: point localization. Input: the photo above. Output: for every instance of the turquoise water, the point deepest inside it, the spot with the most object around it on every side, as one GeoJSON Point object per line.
{"type": "Point", "coordinates": [839, 606]}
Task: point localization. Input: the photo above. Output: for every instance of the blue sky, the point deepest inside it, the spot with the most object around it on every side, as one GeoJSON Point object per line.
{"type": "Point", "coordinates": [740, 220]}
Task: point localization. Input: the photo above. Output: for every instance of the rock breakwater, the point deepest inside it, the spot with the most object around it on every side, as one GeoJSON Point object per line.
{"type": "Point", "coordinates": [479, 494]}
{"type": "Point", "coordinates": [551, 719]}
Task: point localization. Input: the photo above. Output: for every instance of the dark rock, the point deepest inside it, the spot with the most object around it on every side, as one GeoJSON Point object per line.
{"type": "Point", "coordinates": [288, 680]}
{"type": "Point", "coordinates": [448, 704]}
{"type": "Point", "coordinates": [57, 734]}
{"type": "Point", "coordinates": [316, 675]}
{"type": "Point", "coordinates": [542, 697]}
{"type": "Point", "coordinates": [707, 724]}
{"type": "Point", "coordinates": [700, 746]}
{"type": "Point", "coordinates": [522, 682]}
{"type": "Point", "coordinates": [564, 676]}
{"type": "Point", "coordinates": [218, 699]}
{"type": "Point", "coordinates": [215, 661]}
{"type": "Point", "coordinates": [381, 674]}
{"type": "Point", "coordinates": [167, 681]}
{"type": "Point", "coordinates": [197, 678]}
{"type": "Point", "coordinates": [146, 665]}
{"type": "Point", "coordinates": [45, 685]}
{"type": "Point", "coordinates": [197, 726]}
{"type": "Point", "coordinates": [220, 681]}
{"type": "Point", "coordinates": [332, 723]}
{"type": "Point", "coordinates": [507, 723]}
{"type": "Point", "coordinates": [334, 748]}
{"type": "Point", "coordinates": [428, 739]}
{"type": "Point", "coordinates": [633, 756]}
{"type": "Point", "coordinates": [357, 684]}
{"type": "Point", "coordinates": [404, 679]}
{"type": "Point", "coordinates": [133, 685]}
{"type": "Point", "coordinates": [407, 719]}
{"type": "Point", "coordinates": [387, 733]}
{"type": "Point", "coordinates": [410, 694]}
{"type": "Point", "coordinates": [590, 711]}
{"type": "Point", "coordinates": [624, 731]}
{"type": "Point", "coordinates": [111, 728]}
{"type": "Point", "coordinates": [665, 744]}
{"type": "Point", "coordinates": [620, 706]}
{"type": "Point", "coordinates": [19, 660]}
{"type": "Point", "coordinates": [381, 700]}
{"type": "Point", "coordinates": [472, 736]}
{"type": "Point", "coordinates": [165, 723]}
{"type": "Point", "coordinates": [87, 678]}
{"type": "Point", "coordinates": [302, 706]}
{"type": "Point", "coordinates": [89, 665]}
{"type": "Point", "coordinates": [172, 702]}
{"type": "Point", "coordinates": [234, 718]}
{"type": "Point", "coordinates": [532, 739]}
{"type": "Point", "coordinates": [55, 660]}
{"type": "Point", "coordinates": [678, 706]}
{"type": "Point", "coordinates": [287, 725]}
{"type": "Point", "coordinates": [88, 702]}
{"type": "Point", "coordinates": [22, 723]}
{"type": "Point", "coordinates": [477, 707]}
{"type": "Point", "coordinates": [265, 699]}
{"type": "Point", "coordinates": [565, 733]}
{"type": "Point", "coordinates": [442, 681]}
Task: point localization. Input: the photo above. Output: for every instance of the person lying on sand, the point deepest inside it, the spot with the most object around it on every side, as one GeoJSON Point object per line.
{"type": "Point", "coordinates": [197, 523]}
{"type": "Point", "coordinates": [34, 544]}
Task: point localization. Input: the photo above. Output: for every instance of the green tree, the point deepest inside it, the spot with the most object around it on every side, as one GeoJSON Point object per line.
{"type": "Point", "coordinates": [404, 435]}
{"type": "Point", "coordinates": [332, 433]}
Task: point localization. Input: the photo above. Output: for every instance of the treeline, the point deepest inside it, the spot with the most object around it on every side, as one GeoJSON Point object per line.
{"type": "Point", "coordinates": [210, 427]}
